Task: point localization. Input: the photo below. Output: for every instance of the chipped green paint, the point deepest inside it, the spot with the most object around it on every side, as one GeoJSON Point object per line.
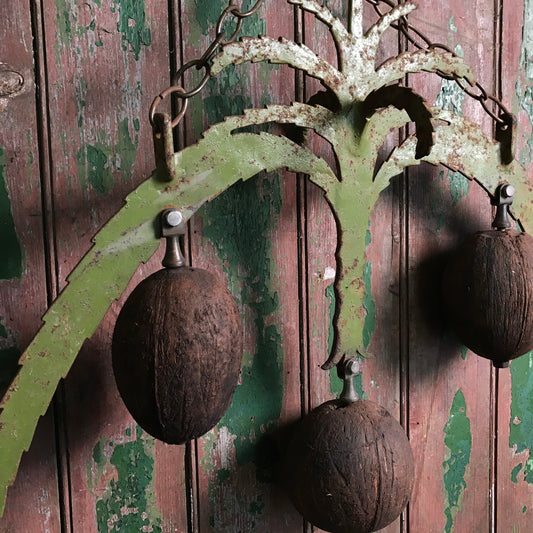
{"type": "Point", "coordinates": [132, 24]}
{"type": "Point", "coordinates": [524, 86]}
{"type": "Point", "coordinates": [127, 501]}
{"type": "Point", "coordinates": [455, 467]}
{"type": "Point", "coordinates": [368, 301]}
{"type": "Point", "coordinates": [514, 473]}
{"type": "Point", "coordinates": [521, 421]}
{"type": "Point", "coordinates": [93, 167]}
{"type": "Point", "coordinates": [63, 23]}
{"type": "Point", "coordinates": [521, 415]}
{"type": "Point", "coordinates": [451, 97]}
{"type": "Point", "coordinates": [11, 265]}
{"type": "Point", "coordinates": [68, 26]}
{"type": "Point", "coordinates": [226, 156]}
{"type": "Point", "coordinates": [527, 40]}
{"type": "Point", "coordinates": [464, 351]}
{"type": "Point", "coordinates": [99, 161]}
{"type": "Point", "coordinates": [245, 253]}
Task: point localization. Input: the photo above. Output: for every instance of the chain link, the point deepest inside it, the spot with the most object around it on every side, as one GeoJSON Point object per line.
{"type": "Point", "coordinates": [501, 117]}
{"type": "Point", "coordinates": [203, 62]}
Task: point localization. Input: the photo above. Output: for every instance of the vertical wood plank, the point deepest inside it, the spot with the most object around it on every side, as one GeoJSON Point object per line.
{"type": "Point", "coordinates": [449, 388]}
{"type": "Point", "coordinates": [33, 501]}
{"type": "Point", "coordinates": [514, 509]}
{"type": "Point", "coordinates": [249, 235]}
{"type": "Point", "coordinates": [106, 61]}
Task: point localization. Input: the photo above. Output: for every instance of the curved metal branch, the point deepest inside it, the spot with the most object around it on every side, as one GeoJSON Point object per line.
{"type": "Point", "coordinates": [203, 171]}
{"type": "Point", "coordinates": [338, 31]}
{"type": "Point", "coordinates": [404, 98]}
{"type": "Point", "coordinates": [375, 33]}
{"type": "Point", "coordinates": [453, 148]}
{"type": "Point", "coordinates": [282, 51]}
{"type": "Point", "coordinates": [428, 60]}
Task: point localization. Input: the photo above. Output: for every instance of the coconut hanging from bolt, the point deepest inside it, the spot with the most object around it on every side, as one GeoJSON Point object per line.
{"type": "Point", "coordinates": [177, 346]}
{"type": "Point", "coordinates": [488, 288]}
{"type": "Point", "coordinates": [349, 465]}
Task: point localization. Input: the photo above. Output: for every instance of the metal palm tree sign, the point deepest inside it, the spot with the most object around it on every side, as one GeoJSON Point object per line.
{"type": "Point", "coordinates": [364, 103]}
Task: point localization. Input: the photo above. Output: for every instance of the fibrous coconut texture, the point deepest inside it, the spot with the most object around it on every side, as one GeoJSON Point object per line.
{"type": "Point", "coordinates": [350, 467]}
{"type": "Point", "coordinates": [177, 353]}
{"type": "Point", "coordinates": [488, 293]}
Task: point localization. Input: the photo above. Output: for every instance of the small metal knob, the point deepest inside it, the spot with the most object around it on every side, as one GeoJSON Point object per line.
{"type": "Point", "coordinates": [172, 226]}
{"type": "Point", "coordinates": [503, 198]}
{"type": "Point", "coordinates": [347, 370]}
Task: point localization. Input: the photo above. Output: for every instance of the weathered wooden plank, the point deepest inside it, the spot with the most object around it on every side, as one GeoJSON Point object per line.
{"type": "Point", "coordinates": [449, 388]}
{"type": "Point", "coordinates": [106, 61]}
{"type": "Point", "coordinates": [515, 440]}
{"type": "Point", "coordinates": [249, 235]}
{"type": "Point", "coordinates": [33, 500]}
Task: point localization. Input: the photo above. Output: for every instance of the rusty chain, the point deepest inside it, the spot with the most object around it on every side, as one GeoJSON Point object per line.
{"type": "Point", "coordinates": [203, 62]}
{"type": "Point", "coordinates": [476, 91]}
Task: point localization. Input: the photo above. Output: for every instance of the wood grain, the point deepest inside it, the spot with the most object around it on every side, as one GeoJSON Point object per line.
{"type": "Point", "coordinates": [449, 389]}
{"type": "Point", "coordinates": [34, 497]}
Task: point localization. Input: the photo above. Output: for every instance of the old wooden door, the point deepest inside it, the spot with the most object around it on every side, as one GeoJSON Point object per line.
{"type": "Point", "coordinates": [76, 83]}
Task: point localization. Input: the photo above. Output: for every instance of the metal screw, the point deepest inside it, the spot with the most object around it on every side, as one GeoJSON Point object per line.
{"type": "Point", "coordinates": [173, 217]}
{"type": "Point", "coordinates": [508, 191]}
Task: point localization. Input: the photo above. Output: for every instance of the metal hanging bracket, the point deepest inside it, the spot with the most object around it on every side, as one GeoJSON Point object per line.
{"type": "Point", "coordinates": [172, 227]}
{"type": "Point", "coordinates": [347, 370]}
{"type": "Point", "coordinates": [503, 198]}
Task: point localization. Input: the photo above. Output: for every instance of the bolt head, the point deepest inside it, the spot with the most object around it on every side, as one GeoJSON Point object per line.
{"type": "Point", "coordinates": [508, 191]}
{"type": "Point", "coordinates": [173, 218]}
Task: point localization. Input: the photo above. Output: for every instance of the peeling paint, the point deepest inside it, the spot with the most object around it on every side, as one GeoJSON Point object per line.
{"type": "Point", "coordinates": [524, 87]}
{"type": "Point", "coordinates": [455, 467]}
{"type": "Point", "coordinates": [132, 24]}
{"type": "Point", "coordinates": [99, 161]}
{"type": "Point", "coordinates": [368, 301]}
{"type": "Point", "coordinates": [451, 97]}
{"type": "Point", "coordinates": [236, 223]}
{"type": "Point", "coordinates": [120, 476]}
{"type": "Point", "coordinates": [11, 265]}
{"type": "Point", "coordinates": [521, 419]}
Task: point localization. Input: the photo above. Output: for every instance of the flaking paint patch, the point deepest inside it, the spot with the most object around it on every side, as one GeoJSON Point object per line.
{"type": "Point", "coordinates": [11, 265]}
{"type": "Point", "coordinates": [237, 223]}
{"type": "Point", "coordinates": [524, 86]}
{"type": "Point", "coordinates": [68, 26]}
{"type": "Point", "coordinates": [132, 24]}
{"type": "Point", "coordinates": [120, 476]}
{"type": "Point", "coordinates": [452, 97]}
{"type": "Point", "coordinates": [100, 160]}
{"type": "Point", "coordinates": [455, 467]}
{"type": "Point", "coordinates": [368, 301]}
{"type": "Point", "coordinates": [521, 420]}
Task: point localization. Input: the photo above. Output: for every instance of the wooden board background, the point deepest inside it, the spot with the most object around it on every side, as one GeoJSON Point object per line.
{"type": "Point", "coordinates": [75, 139]}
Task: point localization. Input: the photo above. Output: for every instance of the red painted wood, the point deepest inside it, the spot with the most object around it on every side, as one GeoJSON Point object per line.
{"type": "Point", "coordinates": [514, 491]}
{"type": "Point", "coordinates": [437, 371]}
{"type": "Point", "coordinates": [236, 494]}
{"type": "Point", "coordinates": [93, 87]}
{"type": "Point", "coordinates": [34, 496]}
{"type": "Point", "coordinates": [101, 79]}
